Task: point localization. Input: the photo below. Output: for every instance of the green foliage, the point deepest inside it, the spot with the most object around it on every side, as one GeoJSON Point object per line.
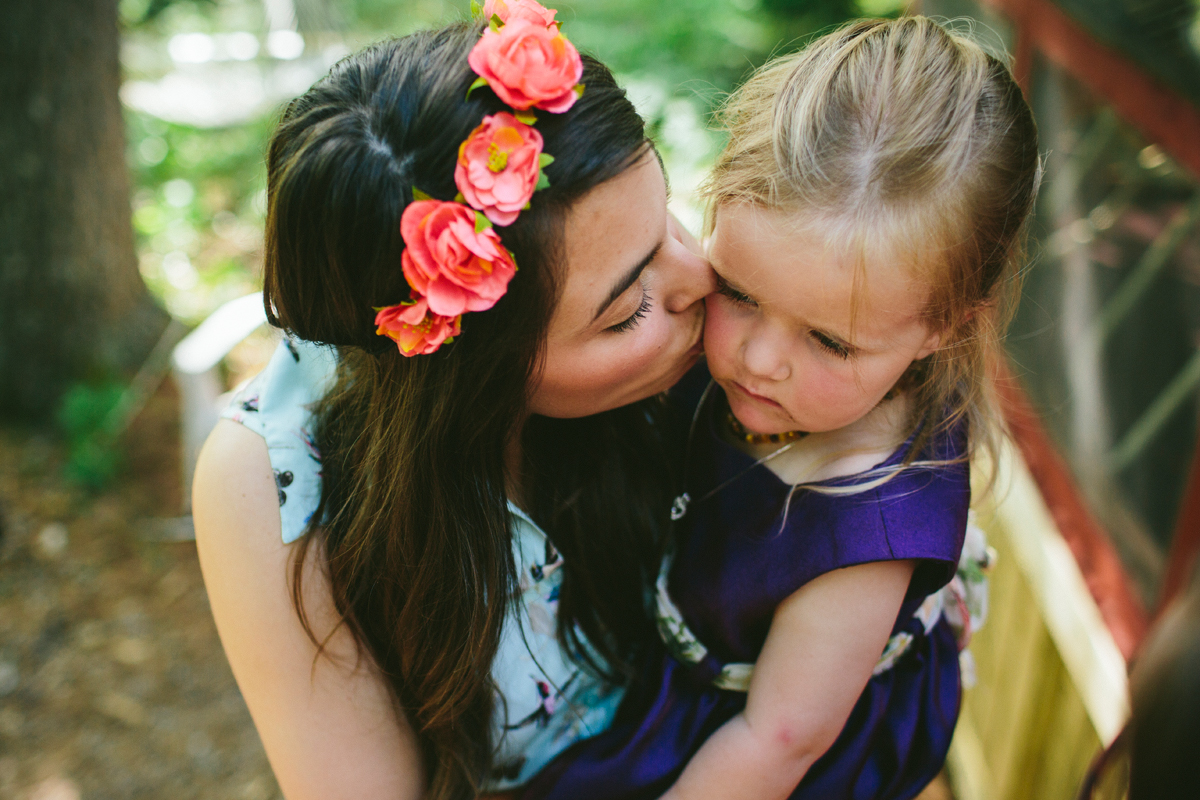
{"type": "Point", "coordinates": [93, 457]}
{"type": "Point", "coordinates": [140, 12]}
{"type": "Point", "coordinates": [199, 197]}
{"type": "Point", "coordinates": [198, 202]}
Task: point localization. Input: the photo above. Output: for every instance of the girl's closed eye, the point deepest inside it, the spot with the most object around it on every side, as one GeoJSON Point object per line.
{"type": "Point", "coordinates": [631, 322]}
{"type": "Point", "coordinates": [831, 345]}
{"type": "Point", "coordinates": [724, 289]}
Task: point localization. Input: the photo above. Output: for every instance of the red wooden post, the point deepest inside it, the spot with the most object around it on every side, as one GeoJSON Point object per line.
{"type": "Point", "coordinates": [1161, 114]}
{"type": "Point", "coordinates": [1181, 561]}
{"type": "Point", "coordinates": [1098, 560]}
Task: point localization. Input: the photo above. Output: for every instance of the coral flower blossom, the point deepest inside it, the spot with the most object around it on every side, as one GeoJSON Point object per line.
{"type": "Point", "coordinates": [455, 267]}
{"type": "Point", "coordinates": [528, 65]}
{"type": "Point", "coordinates": [414, 329]}
{"type": "Point", "coordinates": [508, 10]}
{"type": "Point", "coordinates": [498, 167]}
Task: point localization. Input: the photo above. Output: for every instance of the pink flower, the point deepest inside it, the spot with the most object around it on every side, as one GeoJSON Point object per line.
{"type": "Point", "coordinates": [414, 329]}
{"type": "Point", "coordinates": [528, 64]}
{"type": "Point", "coordinates": [509, 10]}
{"type": "Point", "coordinates": [498, 167]}
{"type": "Point", "coordinates": [455, 267]}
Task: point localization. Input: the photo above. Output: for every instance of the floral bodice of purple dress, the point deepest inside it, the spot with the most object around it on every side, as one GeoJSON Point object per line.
{"type": "Point", "coordinates": [744, 550]}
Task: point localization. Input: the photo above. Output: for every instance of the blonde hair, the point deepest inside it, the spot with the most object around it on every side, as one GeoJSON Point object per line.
{"type": "Point", "coordinates": [901, 137]}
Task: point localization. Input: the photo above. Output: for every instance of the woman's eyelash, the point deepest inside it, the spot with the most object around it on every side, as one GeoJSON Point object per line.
{"type": "Point", "coordinates": [632, 321]}
{"type": "Point", "coordinates": [733, 294]}
{"type": "Point", "coordinates": [831, 346]}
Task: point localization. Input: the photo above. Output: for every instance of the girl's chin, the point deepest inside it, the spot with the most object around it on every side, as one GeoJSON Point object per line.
{"type": "Point", "coordinates": [757, 416]}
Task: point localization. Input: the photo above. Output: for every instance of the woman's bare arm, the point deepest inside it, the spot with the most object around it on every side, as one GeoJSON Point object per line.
{"type": "Point", "coordinates": [329, 726]}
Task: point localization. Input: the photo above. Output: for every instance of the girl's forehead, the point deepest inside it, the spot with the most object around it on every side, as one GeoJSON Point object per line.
{"type": "Point", "coordinates": [814, 267]}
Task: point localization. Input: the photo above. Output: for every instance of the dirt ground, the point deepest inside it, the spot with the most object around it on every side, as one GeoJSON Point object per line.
{"type": "Point", "coordinates": [113, 685]}
{"type": "Point", "coordinates": [112, 680]}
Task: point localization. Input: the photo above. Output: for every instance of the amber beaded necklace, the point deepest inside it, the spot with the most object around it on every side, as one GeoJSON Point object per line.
{"type": "Point", "coordinates": [739, 430]}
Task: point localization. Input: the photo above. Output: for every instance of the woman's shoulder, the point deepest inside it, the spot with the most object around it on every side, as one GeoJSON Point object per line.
{"type": "Point", "coordinates": [277, 405]}
{"type": "Point", "coordinates": [315, 715]}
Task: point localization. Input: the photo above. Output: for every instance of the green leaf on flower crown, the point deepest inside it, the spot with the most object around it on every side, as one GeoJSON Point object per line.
{"type": "Point", "coordinates": [482, 223]}
{"type": "Point", "coordinates": [495, 23]}
{"type": "Point", "coordinates": [512, 257]}
{"type": "Point", "coordinates": [476, 9]}
{"type": "Point", "coordinates": [419, 195]}
{"type": "Point", "coordinates": [527, 117]}
{"type": "Point", "coordinates": [527, 206]}
{"type": "Point", "coordinates": [458, 198]}
{"type": "Point", "coordinates": [579, 87]}
{"type": "Point", "coordinates": [542, 183]}
{"type": "Point", "coordinates": [545, 160]}
{"type": "Point", "coordinates": [480, 81]}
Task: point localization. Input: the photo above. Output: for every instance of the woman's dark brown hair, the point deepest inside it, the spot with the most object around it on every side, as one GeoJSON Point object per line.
{"type": "Point", "coordinates": [414, 528]}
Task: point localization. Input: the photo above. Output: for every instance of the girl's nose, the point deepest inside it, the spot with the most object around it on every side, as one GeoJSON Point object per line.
{"type": "Point", "coordinates": [764, 358]}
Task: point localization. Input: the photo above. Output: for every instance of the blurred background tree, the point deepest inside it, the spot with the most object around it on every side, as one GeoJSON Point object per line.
{"type": "Point", "coordinates": [71, 299]}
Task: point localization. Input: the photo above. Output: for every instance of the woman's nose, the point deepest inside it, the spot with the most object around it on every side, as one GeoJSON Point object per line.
{"type": "Point", "coordinates": [692, 278]}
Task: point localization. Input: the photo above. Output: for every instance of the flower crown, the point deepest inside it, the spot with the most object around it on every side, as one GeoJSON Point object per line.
{"type": "Point", "coordinates": [453, 259]}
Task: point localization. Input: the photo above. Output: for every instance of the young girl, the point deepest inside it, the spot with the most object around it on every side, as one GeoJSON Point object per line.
{"type": "Point", "coordinates": [865, 229]}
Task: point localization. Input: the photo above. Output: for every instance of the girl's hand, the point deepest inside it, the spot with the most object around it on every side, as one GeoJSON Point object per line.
{"type": "Point", "coordinates": [328, 723]}
{"type": "Point", "coordinates": [823, 645]}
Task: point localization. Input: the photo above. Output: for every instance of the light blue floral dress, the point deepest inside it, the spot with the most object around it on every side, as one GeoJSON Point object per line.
{"type": "Point", "coordinates": [547, 701]}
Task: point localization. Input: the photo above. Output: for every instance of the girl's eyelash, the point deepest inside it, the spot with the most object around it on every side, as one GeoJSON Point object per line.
{"type": "Point", "coordinates": [632, 321]}
{"type": "Point", "coordinates": [733, 294]}
{"type": "Point", "coordinates": [829, 345]}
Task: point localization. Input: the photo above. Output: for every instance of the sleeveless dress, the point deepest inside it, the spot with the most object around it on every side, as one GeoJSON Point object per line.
{"type": "Point", "coordinates": [738, 554]}
{"type": "Point", "coordinates": [547, 702]}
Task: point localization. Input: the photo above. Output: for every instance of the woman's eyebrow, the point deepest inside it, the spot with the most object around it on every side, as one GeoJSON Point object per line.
{"type": "Point", "coordinates": [626, 281]}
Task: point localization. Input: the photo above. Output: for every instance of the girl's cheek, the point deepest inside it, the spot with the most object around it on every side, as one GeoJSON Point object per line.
{"type": "Point", "coordinates": [721, 330]}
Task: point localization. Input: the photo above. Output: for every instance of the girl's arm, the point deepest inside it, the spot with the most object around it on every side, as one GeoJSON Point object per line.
{"type": "Point", "coordinates": [329, 725]}
{"type": "Point", "coordinates": [823, 644]}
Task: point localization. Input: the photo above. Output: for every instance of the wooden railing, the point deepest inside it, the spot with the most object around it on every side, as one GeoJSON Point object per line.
{"type": "Point", "coordinates": [1051, 686]}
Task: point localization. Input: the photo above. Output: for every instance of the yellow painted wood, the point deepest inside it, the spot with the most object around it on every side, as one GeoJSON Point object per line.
{"type": "Point", "coordinates": [1025, 732]}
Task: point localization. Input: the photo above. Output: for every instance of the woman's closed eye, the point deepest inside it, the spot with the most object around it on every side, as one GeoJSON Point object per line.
{"type": "Point", "coordinates": [724, 289]}
{"type": "Point", "coordinates": [631, 322]}
{"type": "Point", "coordinates": [830, 345]}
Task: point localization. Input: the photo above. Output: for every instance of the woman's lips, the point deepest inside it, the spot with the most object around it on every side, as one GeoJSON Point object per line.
{"type": "Point", "coordinates": [757, 397]}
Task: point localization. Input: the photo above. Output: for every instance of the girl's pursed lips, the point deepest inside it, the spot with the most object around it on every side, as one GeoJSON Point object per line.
{"type": "Point", "coordinates": [754, 396]}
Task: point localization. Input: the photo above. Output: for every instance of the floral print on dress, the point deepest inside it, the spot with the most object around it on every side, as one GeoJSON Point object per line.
{"type": "Point", "coordinates": [546, 703]}
{"type": "Point", "coordinates": [542, 715]}
{"type": "Point", "coordinates": [282, 481]}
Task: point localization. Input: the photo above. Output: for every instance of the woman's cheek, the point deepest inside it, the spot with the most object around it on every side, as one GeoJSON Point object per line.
{"type": "Point", "coordinates": [626, 361]}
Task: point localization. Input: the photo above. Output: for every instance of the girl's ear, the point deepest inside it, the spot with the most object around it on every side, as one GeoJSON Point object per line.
{"type": "Point", "coordinates": [932, 342]}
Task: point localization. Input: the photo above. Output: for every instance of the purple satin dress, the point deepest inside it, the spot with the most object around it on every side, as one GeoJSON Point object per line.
{"type": "Point", "coordinates": [737, 559]}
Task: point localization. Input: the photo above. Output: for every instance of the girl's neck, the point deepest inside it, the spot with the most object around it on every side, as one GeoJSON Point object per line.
{"type": "Point", "coordinates": [848, 450]}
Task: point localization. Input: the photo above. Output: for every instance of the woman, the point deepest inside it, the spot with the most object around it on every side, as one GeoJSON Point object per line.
{"type": "Point", "coordinates": [368, 651]}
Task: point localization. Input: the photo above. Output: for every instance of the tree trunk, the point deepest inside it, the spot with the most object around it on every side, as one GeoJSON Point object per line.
{"type": "Point", "coordinates": [72, 302]}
